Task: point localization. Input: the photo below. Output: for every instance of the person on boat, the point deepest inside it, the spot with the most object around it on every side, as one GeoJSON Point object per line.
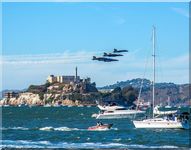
{"type": "Point", "coordinates": [99, 123]}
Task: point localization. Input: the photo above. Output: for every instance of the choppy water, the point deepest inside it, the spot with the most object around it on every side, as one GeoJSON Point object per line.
{"type": "Point", "coordinates": [66, 127]}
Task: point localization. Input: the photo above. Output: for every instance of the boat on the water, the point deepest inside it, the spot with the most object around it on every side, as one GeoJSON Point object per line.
{"type": "Point", "coordinates": [100, 127]}
{"type": "Point", "coordinates": [110, 107]}
{"type": "Point", "coordinates": [117, 113]}
{"type": "Point", "coordinates": [161, 123]}
{"type": "Point", "coordinates": [165, 112]}
{"type": "Point", "coordinates": [155, 121]}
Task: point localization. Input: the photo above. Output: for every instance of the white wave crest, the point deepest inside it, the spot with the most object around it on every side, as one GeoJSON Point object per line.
{"type": "Point", "coordinates": [50, 128]}
{"type": "Point", "coordinates": [46, 128]}
{"type": "Point", "coordinates": [66, 129]}
{"type": "Point", "coordinates": [59, 129]}
{"type": "Point", "coordinates": [47, 144]}
{"type": "Point", "coordinates": [14, 128]}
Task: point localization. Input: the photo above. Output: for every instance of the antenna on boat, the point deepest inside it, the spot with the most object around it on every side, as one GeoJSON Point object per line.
{"type": "Point", "coordinates": [153, 40]}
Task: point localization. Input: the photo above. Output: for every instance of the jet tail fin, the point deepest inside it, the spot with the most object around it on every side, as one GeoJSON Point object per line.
{"type": "Point", "coordinates": [94, 58]}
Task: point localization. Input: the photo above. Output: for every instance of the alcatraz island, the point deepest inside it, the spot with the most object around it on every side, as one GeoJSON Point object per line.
{"type": "Point", "coordinates": [71, 90]}
{"type": "Point", "coordinates": [65, 90]}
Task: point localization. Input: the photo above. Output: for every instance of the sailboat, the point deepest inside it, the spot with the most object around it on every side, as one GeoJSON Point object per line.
{"type": "Point", "coordinates": [155, 121]}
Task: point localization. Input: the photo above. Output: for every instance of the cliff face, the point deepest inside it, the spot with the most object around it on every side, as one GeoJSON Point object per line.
{"type": "Point", "coordinates": [52, 99]}
{"type": "Point", "coordinates": [55, 94]}
{"type": "Point", "coordinates": [24, 98]}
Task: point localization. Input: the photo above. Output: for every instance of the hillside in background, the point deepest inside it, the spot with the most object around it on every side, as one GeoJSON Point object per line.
{"type": "Point", "coordinates": [128, 92]}
{"type": "Point", "coordinates": [177, 93]}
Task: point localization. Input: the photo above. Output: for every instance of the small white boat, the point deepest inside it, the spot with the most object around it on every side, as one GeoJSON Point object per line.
{"type": "Point", "coordinates": [118, 113]}
{"type": "Point", "coordinates": [102, 127]}
{"type": "Point", "coordinates": [158, 112]}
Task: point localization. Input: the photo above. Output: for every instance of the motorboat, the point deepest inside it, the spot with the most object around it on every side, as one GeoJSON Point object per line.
{"type": "Point", "coordinates": [118, 113]}
{"type": "Point", "coordinates": [110, 107]}
{"type": "Point", "coordinates": [158, 112]}
{"type": "Point", "coordinates": [100, 127]}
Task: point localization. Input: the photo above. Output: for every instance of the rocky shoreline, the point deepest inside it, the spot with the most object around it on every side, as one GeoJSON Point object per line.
{"type": "Point", "coordinates": [32, 99]}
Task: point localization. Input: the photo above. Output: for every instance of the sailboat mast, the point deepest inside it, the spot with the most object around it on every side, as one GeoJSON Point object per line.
{"type": "Point", "coordinates": [153, 40]}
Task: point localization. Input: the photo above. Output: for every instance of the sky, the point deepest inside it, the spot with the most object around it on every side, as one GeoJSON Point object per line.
{"type": "Point", "coordinates": [39, 39]}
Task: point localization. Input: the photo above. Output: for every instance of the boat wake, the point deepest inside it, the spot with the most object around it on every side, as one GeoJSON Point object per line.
{"type": "Point", "coordinates": [48, 144]}
{"type": "Point", "coordinates": [59, 129]}
{"type": "Point", "coordinates": [50, 128]}
{"type": "Point", "coordinates": [14, 128]}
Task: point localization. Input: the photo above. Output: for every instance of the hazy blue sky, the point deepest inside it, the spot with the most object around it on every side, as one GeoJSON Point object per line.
{"type": "Point", "coordinates": [52, 38]}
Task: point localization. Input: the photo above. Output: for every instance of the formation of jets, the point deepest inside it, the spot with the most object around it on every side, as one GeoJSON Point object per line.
{"type": "Point", "coordinates": [105, 58]}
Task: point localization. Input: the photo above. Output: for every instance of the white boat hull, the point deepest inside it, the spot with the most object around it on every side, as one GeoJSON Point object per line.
{"type": "Point", "coordinates": [156, 123]}
{"type": "Point", "coordinates": [118, 114]}
{"type": "Point", "coordinates": [110, 108]}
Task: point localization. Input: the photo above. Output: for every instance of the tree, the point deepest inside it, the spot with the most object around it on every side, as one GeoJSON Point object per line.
{"type": "Point", "coordinates": [129, 94]}
{"type": "Point", "coordinates": [117, 90]}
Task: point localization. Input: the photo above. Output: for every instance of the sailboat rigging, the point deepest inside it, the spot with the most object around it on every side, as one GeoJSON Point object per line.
{"type": "Point", "coordinates": [155, 122]}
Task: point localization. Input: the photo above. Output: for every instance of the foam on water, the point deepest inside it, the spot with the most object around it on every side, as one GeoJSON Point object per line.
{"type": "Point", "coordinates": [46, 128]}
{"type": "Point", "coordinates": [47, 144]}
{"type": "Point", "coordinates": [59, 129]}
{"type": "Point", "coordinates": [119, 139]}
{"type": "Point", "coordinates": [66, 129]}
{"type": "Point", "coordinates": [14, 128]}
{"type": "Point", "coordinates": [50, 128]}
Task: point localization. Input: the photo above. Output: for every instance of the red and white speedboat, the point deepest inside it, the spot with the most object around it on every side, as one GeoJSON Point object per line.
{"type": "Point", "coordinates": [100, 127]}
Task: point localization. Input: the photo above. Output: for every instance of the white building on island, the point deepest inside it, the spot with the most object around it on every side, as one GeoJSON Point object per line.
{"type": "Point", "coordinates": [64, 79]}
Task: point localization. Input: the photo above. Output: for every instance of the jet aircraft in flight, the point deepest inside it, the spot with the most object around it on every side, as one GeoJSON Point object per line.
{"type": "Point", "coordinates": [111, 55]}
{"type": "Point", "coordinates": [119, 51]}
{"type": "Point", "coordinates": [104, 59]}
